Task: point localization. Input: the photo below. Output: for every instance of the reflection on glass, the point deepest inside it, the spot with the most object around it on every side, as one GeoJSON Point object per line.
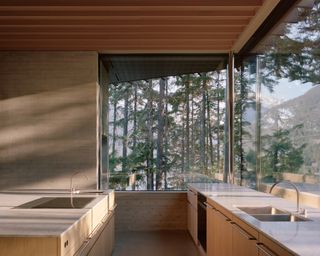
{"type": "Point", "coordinates": [283, 138]}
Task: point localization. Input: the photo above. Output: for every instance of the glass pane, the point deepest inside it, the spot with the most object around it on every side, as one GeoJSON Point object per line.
{"type": "Point", "coordinates": [245, 117]}
{"type": "Point", "coordinates": [286, 125]}
{"type": "Point", "coordinates": [166, 132]}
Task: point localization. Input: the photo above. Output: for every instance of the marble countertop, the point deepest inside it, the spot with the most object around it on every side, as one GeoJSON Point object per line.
{"type": "Point", "coordinates": [19, 222]}
{"type": "Point", "coordinates": [302, 238]}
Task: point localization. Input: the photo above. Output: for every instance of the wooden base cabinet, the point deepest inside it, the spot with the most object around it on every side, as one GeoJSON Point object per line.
{"type": "Point", "coordinates": [267, 247]}
{"type": "Point", "coordinates": [243, 243]}
{"type": "Point", "coordinates": [219, 233]}
{"type": "Point", "coordinates": [210, 230]}
{"type": "Point", "coordinates": [105, 242]}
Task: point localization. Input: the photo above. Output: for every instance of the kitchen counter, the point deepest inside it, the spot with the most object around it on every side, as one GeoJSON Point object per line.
{"type": "Point", "coordinates": [301, 238]}
{"type": "Point", "coordinates": [41, 222]}
{"type": "Point", "coordinates": [61, 224]}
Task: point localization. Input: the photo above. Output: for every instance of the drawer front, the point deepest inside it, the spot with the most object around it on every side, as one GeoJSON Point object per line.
{"type": "Point", "coordinates": [268, 247]}
{"type": "Point", "coordinates": [192, 198]}
{"type": "Point", "coordinates": [73, 238]}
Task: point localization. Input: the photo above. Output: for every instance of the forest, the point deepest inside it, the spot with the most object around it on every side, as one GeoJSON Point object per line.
{"type": "Point", "coordinates": [166, 132]}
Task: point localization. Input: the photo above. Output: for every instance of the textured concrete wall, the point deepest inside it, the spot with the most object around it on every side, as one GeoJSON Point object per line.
{"type": "Point", "coordinates": [48, 119]}
{"type": "Point", "coordinates": [151, 211]}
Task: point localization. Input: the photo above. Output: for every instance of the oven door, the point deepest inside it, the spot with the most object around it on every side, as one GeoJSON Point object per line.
{"type": "Point", "coordinates": [202, 223]}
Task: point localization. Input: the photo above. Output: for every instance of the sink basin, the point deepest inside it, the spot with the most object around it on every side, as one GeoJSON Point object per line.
{"type": "Point", "coordinates": [279, 217]}
{"type": "Point", "coordinates": [58, 203]}
{"type": "Point", "coordinates": [269, 213]}
{"type": "Point", "coordinates": [262, 210]}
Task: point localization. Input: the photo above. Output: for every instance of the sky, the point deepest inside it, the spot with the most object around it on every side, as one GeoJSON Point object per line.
{"type": "Point", "coordinates": [287, 90]}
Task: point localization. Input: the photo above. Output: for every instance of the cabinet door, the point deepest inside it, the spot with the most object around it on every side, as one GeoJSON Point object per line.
{"type": "Point", "coordinates": [190, 228]}
{"type": "Point", "coordinates": [222, 240]}
{"type": "Point", "coordinates": [192, 222]}
{"type": "Point", "coordinates": [243, 244]}
{"type": "Point", "coordinates": [192, 198]}
{"type": "Point", "coordinates": [222, 235]}
{"type": "Point", "coordinates": [210, 230]}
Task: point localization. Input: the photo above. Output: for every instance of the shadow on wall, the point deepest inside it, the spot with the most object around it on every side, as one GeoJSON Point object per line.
{"type": "Point", "coordinates": [45, 137]}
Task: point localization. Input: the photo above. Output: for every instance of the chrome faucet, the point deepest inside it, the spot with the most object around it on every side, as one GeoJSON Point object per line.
{"type": "Point", "coordinates": [295, 187]}
{"type": "Point", "coordinates": [72, 188]}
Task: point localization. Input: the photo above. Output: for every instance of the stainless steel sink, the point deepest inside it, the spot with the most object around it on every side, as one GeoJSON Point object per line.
{"type": "Point", "coordinates": [58, 203]}
{"type": "Point", "coordinates": [279, 217]}
{"type": "Point", "coordinates": [269, 213]}
{"type": "Point", "coordinates": [262, 210]}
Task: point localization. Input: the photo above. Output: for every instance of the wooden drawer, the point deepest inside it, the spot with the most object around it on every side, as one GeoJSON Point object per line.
{"type": "Point", "coordinates": [268, 247]}
{"type": "Point", "coordinates": [99, 211]}
{"type": "Point", "coordinates": [72, 239]}
{"type": "Point", "coordinates": [192, 198]}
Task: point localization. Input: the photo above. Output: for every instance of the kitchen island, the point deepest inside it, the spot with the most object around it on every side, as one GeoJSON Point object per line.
{"type": "Point", "coordinates": [30, 229]}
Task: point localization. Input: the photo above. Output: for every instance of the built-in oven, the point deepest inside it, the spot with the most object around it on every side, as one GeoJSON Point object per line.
{"type": "Point", "coordinates": [202, 221]}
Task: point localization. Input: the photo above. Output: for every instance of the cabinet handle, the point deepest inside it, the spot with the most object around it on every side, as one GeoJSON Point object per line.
{"type": "Point", "coordinates": [265, 250]}
{"type": "Point", "coordinates": [208, 205]}
{"type": "Point", "coordinates": [223, 216]}
{"type": "Point", "coordinates": [243, 232]}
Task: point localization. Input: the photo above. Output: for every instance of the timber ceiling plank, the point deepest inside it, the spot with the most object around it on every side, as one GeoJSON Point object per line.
{"type": "Point", "coordinates": [133, 25]}
{"type": "Point", "coordinates": [128, 21]}
{"type": "Point", "coordinates": [131, 3]}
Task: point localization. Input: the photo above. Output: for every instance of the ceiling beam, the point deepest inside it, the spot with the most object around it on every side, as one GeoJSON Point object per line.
{"type": "Point", "coordinates": [120, 36]}
{"type": "Point", "coordinates": [120, 29]}
{"type": "Point", "coordinates": [104, 46]}
{"type": "Point", "coordinates": [254, 24]}
{"type": "Point", "coordinates": [129, 9]}
{"type": "Point", "coordinates": [131, 2]}
{"type": "Point", "coordinates": [133, 12]}
{"type": "Point", "coordinates": [123, 20]}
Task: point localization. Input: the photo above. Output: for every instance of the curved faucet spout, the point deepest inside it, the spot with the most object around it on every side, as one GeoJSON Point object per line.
{"type": "Point", "coordinates": [73, 189]}
{"type": "Point", "coordinates": [294, 186]}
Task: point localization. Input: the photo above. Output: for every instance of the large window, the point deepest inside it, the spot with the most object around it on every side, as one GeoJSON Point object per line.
{"type": "Point", "coordinates": [166, 132]}
{"type": "Point", "coordinates": [277, 130]}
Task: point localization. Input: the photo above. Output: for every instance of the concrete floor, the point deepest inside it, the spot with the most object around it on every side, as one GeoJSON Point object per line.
{"type": "Point", "coordinates": [154, 243]}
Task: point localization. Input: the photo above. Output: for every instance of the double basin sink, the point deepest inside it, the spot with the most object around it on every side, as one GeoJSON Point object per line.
{"type": "Point", "coordinates": [269, 213]}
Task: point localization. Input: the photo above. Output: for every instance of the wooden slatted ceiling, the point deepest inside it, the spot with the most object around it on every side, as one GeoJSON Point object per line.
{"type": "Point", "coordinates": [123, 26]}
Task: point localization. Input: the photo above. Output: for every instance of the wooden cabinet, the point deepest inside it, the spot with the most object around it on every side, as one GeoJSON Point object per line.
{"type": "Point", "coordinates": [244, 240]}
{"type": "Point", "coordinates": [104, 243]}
{"type": "Point", "coordinates": [223, 235]}
{"type": "Point", "coordinates": [210, 230]}
{"type": "Point", "coordinates": [192, 215]}
{"type": "Point", "coordinates": [267, 247]}
{"type": "Point", "coordinates": [219, 233]}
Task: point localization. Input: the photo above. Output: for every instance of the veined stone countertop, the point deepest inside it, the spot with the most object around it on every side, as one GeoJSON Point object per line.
{"type": "Point", "coordinates": [22, 222]}
{"type": "Point", "coordinates": [301, 238]}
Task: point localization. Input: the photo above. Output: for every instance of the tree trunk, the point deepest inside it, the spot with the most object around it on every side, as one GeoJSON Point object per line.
{"type": "Point", "coordinates": [218, 122]}
{"type": "Point", "coordinates": [187, 99]}
{"type": "Point", "coordinates": [203, 125]}
{"type": "Point", "coordinates": [192, 156]}
{"type": "Point", "coordinates": [183, 142]}
{"type": "Point", "coordinates": [150, 138]}
{"type": "Point", "coordinates": [135, 115]}
{"type": "Point", "coordinates": [160, 134]}
{"type": "Point", "coordinates": [125, 130]}
{"type": "Point", "coordinates": [114, 138]}
{"type": "Point", "coordinates": [210, 132]}
{"type": "Point", "coordinates": [166, 136]}
{"type": "Point", "coordinates": [241, 153]}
